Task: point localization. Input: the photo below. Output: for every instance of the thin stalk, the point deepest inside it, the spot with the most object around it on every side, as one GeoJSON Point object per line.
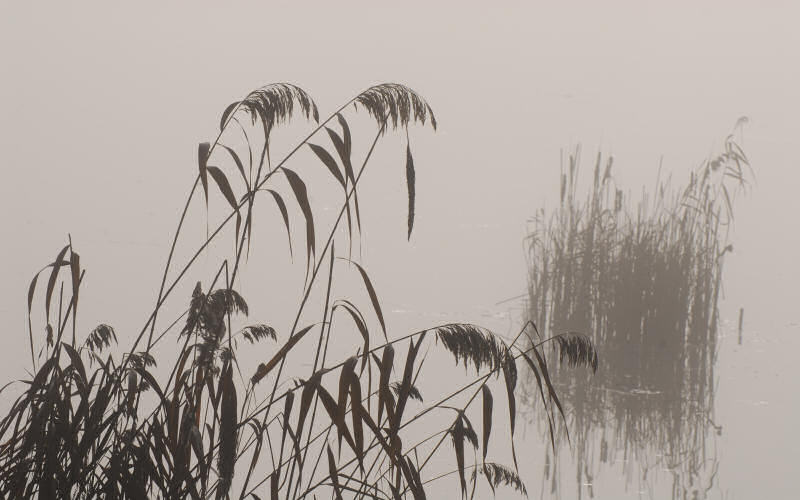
{"type": "Point", "coordinates": [163, 296]}
{"type": "Point", "coordinates": [324, 251]}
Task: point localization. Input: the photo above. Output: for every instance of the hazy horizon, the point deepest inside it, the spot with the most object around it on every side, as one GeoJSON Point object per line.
{"type": "Point", "coordinates": [103, 109]}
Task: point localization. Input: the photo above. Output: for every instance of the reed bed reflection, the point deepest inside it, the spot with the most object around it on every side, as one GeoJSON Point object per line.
{"type": "Point", "coordinates": [642, 279]}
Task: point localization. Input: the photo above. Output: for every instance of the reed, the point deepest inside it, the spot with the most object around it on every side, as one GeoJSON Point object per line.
{"type": "Point", "coordinates": [642, 280]}
{"type": "Point", "coordinates": [191, 423]}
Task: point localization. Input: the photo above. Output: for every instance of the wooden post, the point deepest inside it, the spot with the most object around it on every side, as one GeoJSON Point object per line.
{"type": "Point", "coordinates": [741, 317]}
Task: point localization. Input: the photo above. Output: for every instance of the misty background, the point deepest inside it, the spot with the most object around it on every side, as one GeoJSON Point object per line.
{"type": "Point", "coordinates": [101, 110]}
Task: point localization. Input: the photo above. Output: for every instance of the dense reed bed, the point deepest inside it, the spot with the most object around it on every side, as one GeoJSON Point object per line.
{"type": "Point", "coordinates": [642, 281]}
{"type": "Point", "coordinates": [196, 422]}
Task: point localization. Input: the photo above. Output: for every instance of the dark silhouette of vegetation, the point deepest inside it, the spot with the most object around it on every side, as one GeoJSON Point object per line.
{"type": "Point", "coordinates": [643, 281]}
{"type": "Point", "coordinates": [87, 424]}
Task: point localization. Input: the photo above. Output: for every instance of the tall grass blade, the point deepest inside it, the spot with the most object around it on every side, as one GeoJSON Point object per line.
{"type": "Point", "coordinates": [488, 403]}
{"type": "Point", "coordinates": [51, 282]}
{"type": "Point", "coordinates": [285, 215]}
{"type": "Point", "coordinates": [411, 185]}
{"type": "Point", "coordinates": [228, 433]}
{"type": "Point", "coordinates": [301, 195]}
{"type": "Point", "coordinates": [328, 161]}
{"type": "Point", "coordinates": [202, 158]}
{"type": "Point", "coordinates": [457, 435]}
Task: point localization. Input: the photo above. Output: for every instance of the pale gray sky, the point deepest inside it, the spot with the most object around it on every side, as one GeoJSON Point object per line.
{"type": "Point", "coordinates": [101, 110]}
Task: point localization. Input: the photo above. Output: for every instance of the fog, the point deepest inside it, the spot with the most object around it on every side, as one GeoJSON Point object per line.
{"type": "Point", "coordinates": [103, 108]}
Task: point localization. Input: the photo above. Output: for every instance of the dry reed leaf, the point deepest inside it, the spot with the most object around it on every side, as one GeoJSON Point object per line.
{"type": "Point", "coordinates": [411, 186]}
{"type": "Point", "coordinates": [226, 460]}
{"type": "Point", "coordinates": [285, 215]}
{"type": "Point", "coordinates": [385, 367]}
{"type": "Point", "coordinates": [328, 161]}
{"type": "Point", "coordinates": [301, 195]}
{"type": "Point", "coordinates": [488, 404]}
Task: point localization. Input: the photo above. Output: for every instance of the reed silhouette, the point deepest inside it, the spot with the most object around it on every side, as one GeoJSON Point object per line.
{"type": "Point", "coordinates": [642, 281]}
{"type": "Point", "coordinates": [198, 423]}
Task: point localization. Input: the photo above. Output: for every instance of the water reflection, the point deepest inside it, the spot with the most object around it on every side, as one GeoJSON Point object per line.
{"type": "Point", "coordinates": [644, 283]}
{"type": "Point", "coordinates": [636, 431]}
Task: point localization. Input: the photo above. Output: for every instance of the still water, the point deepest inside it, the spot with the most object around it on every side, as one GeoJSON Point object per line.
{"type": "Point", "coordinates": [109, 154]}
{"type": "Point", "coordinates": [728, 441]}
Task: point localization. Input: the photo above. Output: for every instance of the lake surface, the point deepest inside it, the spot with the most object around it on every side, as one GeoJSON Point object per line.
{"type": "Point", "coordinates": [625, 448]}
{"type": "Point", "coordinates": [104, 108]}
